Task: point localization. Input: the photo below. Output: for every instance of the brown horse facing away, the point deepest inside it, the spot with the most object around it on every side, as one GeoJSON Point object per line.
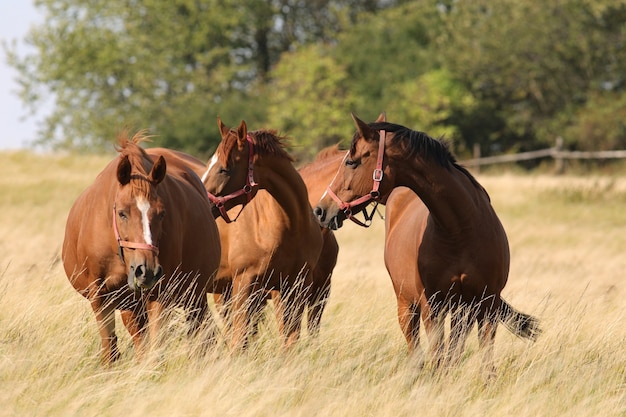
{"type": "Point", "coordinates": [275, 242]}
{"type": "Point", "coordinates": [141, 238]}
{"type": "Point", "coordinates": [445, 251]}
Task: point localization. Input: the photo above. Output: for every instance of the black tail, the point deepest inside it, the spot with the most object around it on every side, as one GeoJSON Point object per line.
{"type": "Point", "coordinates": [520, 324]}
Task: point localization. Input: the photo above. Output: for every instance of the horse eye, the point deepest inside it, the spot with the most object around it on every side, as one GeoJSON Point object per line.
{"type": "Point", "coordinates": [351, 163]}
{"type": "Point", "coordinates": [223, 171]}
{"type": "Point", "coordinates": [122, 215]}
{"type": "Point", "coordinates": [161, 215]}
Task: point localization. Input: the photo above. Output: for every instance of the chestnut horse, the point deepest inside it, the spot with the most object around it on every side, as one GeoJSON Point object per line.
{"type": "Point", "coordinates": [320, 285]}
{"type": "Point", "coordinates": [445, 251]}
{"type": "Point", "coordinates": [275, 242]}
{"type": "Point", "coordinates": [141, 238]}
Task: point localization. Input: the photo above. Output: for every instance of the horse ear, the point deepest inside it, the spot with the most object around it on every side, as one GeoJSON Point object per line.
{"type": "Point", "coordinates": [158, 170]}
{"type": "Point", "coordinates": [242, 131]}
{"type": "Point", "coordinates": [123, 170]}
{"type": "Point", "coordinates": [223, 129]}
{"type": "Point", "coordinates": [382, 117]}
{"type": "Point", "coordinates": [364, 130]}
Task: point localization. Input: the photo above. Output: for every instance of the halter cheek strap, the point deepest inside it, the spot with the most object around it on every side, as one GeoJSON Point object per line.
{"type": "Point", "coordinates": [373, 195]}
{"type": "Point", "coordinates": [127, 244]}
{"type": "Point", "coordinates": [220, 201]}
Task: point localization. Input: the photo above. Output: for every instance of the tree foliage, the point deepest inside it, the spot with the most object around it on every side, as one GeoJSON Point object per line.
{"type": "Point", "coordinates": [309, 100]}
{"type": "Point", "coordinates": [508, 75]}
{"type": "Point", "coordinates": [532, 65]}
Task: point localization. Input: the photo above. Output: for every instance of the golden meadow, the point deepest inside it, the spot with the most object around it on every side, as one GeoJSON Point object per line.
{"type": "Point", "coordinates": [568, 244]}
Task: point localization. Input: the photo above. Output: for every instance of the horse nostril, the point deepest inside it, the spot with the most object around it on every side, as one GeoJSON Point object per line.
{"type": "Point", "coordinates": [319, 213]}
{"type": "Point", "coordinates": [139, 271]}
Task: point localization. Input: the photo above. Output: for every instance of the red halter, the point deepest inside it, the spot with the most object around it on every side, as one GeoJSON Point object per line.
{"type": "Point", "coordinates": [373, 195]}
{"type": "Point", "coordinates": [125, 243]}
{"type": "Point", "coordinates": [246, 189]}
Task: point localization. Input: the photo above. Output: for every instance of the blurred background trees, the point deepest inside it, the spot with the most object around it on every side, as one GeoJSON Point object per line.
{"type": "Point", "coordinates": [509, 75]}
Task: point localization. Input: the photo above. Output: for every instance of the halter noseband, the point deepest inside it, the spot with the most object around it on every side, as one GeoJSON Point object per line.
{"type": "Point", "coordinates": [373, 195]}
{"type": "Point", "coordinates": [246, 189]}
{"type": "Point", "coordinates": [127, 244]}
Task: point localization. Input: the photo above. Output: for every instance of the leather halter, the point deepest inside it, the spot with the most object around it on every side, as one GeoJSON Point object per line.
{"type": "Point", "coordinates": [127, 244]}
{"type": "Point", "coordinates": [220, 201]}
{"type": "Point", "coordinates": [373, 195]}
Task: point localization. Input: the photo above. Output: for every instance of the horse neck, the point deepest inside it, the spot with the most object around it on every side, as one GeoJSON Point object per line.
{"type": "Point", "coordinates": [281, 180]}
{"type": "Point", "coordinates": [452, 198]}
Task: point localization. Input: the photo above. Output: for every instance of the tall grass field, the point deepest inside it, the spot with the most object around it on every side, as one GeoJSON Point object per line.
{"type": "Point", "coordinates": [568, 248]}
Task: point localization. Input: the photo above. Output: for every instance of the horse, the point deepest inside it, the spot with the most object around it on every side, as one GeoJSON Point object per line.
{"type": "Point", "coordinates": [445, 248]}
{"type": "Point", "coordinates": [275, 242]}
{"type": "Point", "coordinates": [320, 285]}
{"type": "Point", "coordinates": [141, 238]}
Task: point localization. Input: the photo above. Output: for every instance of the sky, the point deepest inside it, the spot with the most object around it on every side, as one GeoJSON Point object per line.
{"type": "Point", "coordinates": [16, 17]}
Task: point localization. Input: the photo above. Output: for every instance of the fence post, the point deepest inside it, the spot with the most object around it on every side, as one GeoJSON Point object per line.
{"type": "Point", "coordinates": [559, 164]}
{"type": "Point", "coordinates": [476, 152]}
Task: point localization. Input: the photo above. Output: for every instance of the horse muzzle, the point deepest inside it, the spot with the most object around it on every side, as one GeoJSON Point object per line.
{"type": "Point", "coordinates": [142, 277]}
{"type": "Point", "coordinates": [332, 222]}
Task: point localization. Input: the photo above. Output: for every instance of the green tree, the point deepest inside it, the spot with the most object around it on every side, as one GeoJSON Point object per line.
{"type": "Point", "coordinates": [432, 103]}
{"type": "Point", "coordinates": [384, 53]}
{"type": "Point", "coordinates": [309, 100]}
{"type": "Point", "coordinates": [170, 66]}
{"type": "Point", "coordinates": [137, 64]}
{"type": "Point", "coordinates": [532, 65]}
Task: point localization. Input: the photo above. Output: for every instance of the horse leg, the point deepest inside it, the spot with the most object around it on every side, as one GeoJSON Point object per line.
{"type": "Point", "coordinates": [155, 315]}
{"type": "Point", "coordinates": [201, 322]}
{"type": "Point", "coordinates": [460, 326]}
{"type": "Point", "coordinates": [320, 286]}
{"type": "Point", "coordinates": [487, 325]}
{"type": "Point", "coordinates": [316, 303]}
{"type": "Point", "coordinates": [409, 318]}
{"type": "Point", "coordinates": [135, 322]}
{"type": "Point", "coordinates": [105, 317]}
{"type": "Point", "coordinates": [257, 303]}
{"type": "Point", "coordinates": [222, 301]}
{"type": "Point", "coordinates": [434, 326]}
{"type": "Point", "coordinates": [292, 308]}
{"type": "Point", "coordinates": [240, 312]}
{"type": "Point", "coordinates": [278, 309]}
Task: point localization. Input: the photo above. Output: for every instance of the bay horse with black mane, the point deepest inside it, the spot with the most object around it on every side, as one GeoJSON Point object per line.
{"type": "Point", "coordinates": [139, 239]}
{"type": "Point", "coordinates": [445, 251]}
{"type": "Point", "coordinates": [275, 242]}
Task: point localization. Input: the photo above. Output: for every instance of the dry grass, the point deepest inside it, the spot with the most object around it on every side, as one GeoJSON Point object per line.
{"type": "Point", "coordinates": [567, 237]}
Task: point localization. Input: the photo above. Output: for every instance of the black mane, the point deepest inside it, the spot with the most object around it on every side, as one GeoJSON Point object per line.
{"type": "Point", "coordinates": [413, 143]}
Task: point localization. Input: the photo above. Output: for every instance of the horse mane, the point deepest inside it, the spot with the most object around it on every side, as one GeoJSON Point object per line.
{"type": "Point", "coordinates": [138, 158]}
{"type": "Point", "coordinates": [268, 142]}
{"type": "Point", "coordinates": [414, 143]}
{"type": "Point", "coordinates": [265, 141]}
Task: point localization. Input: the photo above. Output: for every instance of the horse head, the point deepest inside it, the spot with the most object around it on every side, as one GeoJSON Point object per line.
{"type": "Point", "coordinates": [138, 215]}
{"type": "Point", "coordinates": [360, 180]}
{"type": "Point", "coordinates": [229, 178]}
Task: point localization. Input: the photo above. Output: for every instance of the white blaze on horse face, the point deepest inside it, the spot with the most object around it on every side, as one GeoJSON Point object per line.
{"type": "Point", "coordinates": [143, 205]}
{"type": "Point", "coordinates": [211, 164]}
{"type": "Point", "coordinates": [335, 177]}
